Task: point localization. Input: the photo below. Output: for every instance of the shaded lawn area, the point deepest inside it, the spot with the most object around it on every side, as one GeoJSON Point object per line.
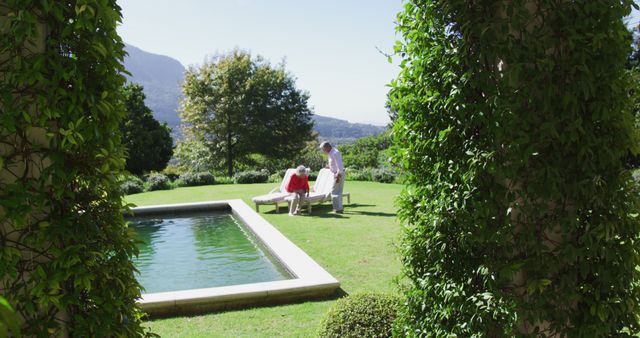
{"type": "Point", "coordinates": [358, 248]}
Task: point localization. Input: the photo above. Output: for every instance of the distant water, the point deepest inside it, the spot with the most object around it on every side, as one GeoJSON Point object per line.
{"type": "Point", "coordinates": [192, 251]}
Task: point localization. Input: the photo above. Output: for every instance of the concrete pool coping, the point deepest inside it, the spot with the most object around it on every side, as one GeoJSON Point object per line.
{"type": "Point", "coordinates": [309, 280]}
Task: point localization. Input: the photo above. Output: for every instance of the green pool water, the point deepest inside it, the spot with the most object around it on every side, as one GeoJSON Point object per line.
{"type": "Point", "coordinates": [200, 250]}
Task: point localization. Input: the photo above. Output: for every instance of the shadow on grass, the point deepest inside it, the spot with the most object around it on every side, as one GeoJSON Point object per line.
{"type": "Point", "coordinates": [339, 293]}
{"type": "Point", "coordinates": [325, 211]}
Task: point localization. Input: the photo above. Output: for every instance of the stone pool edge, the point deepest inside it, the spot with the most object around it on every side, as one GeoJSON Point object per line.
{"type": "Point", "coordinates": [310, 279]}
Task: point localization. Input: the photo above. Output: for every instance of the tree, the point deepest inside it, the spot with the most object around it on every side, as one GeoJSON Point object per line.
{"type": "Point", "coordinates": [365, 152]}
{"type": "Point", "coordinates": [194, 156]}
{"type": "Point", "coordinates": [513, 119]}
{"type": "Point", "coordinates": [65, 250]}
{"type": "Point", "coordinates": [149, 143]}
{"type": "Point", "coordinates": [238, 105]}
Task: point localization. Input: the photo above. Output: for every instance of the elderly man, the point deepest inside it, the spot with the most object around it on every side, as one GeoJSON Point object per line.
{"type": "Point", "coordinates": [336, 167]}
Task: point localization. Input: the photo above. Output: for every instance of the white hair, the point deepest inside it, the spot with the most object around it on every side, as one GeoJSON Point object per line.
{"type": "Point", "coordinates": [301, 169]}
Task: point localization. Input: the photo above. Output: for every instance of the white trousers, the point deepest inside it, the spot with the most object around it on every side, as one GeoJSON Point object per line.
{"type": "Point", "coordinates": [336, 193]}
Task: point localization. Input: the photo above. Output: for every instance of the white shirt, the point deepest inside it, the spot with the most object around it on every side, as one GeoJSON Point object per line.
{"type": "Point", "coordinates": [335, 161]}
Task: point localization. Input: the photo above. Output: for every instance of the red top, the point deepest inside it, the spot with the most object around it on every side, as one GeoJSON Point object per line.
{"type": "Point", "coordinates": [298, 183]}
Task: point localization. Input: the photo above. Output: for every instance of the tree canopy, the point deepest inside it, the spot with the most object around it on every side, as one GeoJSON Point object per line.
{"type": "Point", "coordinates": [238, 105]}
{"type": "Point", "coordinates": [149, 143]}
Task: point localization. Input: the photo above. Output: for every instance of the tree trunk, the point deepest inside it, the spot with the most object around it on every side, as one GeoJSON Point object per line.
{"type": "Point", "coordinates": [229, 149]}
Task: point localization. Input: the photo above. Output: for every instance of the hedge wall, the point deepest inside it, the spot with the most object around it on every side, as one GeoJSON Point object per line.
{"type": "Point", "coordinates": [514, 123]}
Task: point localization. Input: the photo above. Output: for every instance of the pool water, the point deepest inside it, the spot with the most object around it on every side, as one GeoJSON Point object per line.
{"type": "Point", "coordinates": [200, 250]}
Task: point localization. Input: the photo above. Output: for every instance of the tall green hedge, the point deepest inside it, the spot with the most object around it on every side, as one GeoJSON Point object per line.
{"type": "Point", "coordinates": [514, 122]}
{"type": "Point", "coordinates": [65, 252]}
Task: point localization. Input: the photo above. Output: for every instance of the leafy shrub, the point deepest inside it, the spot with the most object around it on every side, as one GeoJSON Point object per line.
{"type": "Point", "coordinates": [275, 178]}
{"type": "Point", "coordinates": [132, 185]}
{"type": "Point", "coordinates": [66, 255]}
{"type": "Point", "coordinates": [359, 174]}
{"type": "Point", "coordinates": [225, 180]}
{"type": "Point", "coordinates": [157, 181]}
{"type": "Point", "coordinates": [361, 315]}
{"type": "Point", "coordinates": [173, 172]}
{"type": "Point", "coordinates": [195, 179]}
{"type": "Point", "coordinates": [383, 175]}
{"type": "Point", "coordinates": [251, 176]}
{"type": "Point", "coordinates": [519, 219]}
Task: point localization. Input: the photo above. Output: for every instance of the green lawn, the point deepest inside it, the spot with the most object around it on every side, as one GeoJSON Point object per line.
{"type": "Point", "coordinates": [357, 248]}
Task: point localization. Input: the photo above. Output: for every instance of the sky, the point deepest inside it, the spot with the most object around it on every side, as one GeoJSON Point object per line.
{"type": "Point", "coordinates": [330, 46]}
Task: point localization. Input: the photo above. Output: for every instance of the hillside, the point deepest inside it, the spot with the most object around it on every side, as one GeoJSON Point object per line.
{"type": "Point", "coordinates": [161, 76]}
{"type": "Point", "coordinates": [343, 132]}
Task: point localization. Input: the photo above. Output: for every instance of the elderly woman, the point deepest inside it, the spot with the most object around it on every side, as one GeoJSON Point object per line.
{"type": "Point", "coordinates": [299, 187]}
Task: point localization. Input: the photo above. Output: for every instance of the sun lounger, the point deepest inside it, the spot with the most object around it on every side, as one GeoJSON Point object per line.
{"type": "Point", "coordinates": [321, 191]}
{"type": "Point", "coordinates": [277, 195]}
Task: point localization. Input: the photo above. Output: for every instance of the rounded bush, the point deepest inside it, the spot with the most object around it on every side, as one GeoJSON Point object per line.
{"type": "Point", "coordinates": [132, 185]}
{"type": "Point", "coordinates": [383, 175]}
{"type": "Point", "coordinates": [361, 315]}
{"type": "Point", "coordinates": [251, 176]}
{"type": "Point", "coordinates": [157, 181]}
{"type": "Point", "coordinates": [196, 179]}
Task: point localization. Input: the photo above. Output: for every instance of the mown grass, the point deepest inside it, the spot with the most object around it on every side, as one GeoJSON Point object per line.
{"type": "Point", "coordinates": [358, 248]}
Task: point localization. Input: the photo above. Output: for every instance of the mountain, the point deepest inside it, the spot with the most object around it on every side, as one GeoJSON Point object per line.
{"type": "Point", "coordinates": [340, 131]}
{"type": "Point", "coordinates": [161, 76]}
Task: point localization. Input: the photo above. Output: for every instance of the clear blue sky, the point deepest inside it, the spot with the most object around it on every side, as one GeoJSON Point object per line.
{"type": "Point", "coordinates": [329, 45]}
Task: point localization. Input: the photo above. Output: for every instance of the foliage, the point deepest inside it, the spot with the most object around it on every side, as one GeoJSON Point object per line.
{"type": "Point", "coordinates": [131, 185]}
{"type": "Point", "coordinates": [359, 174]}
{"type": "Point", "coordinates": [9, 323]}
{"type": "Point", "coordinates": [275, 177]}
{"type": "Point", "coordinates": [261, 162]}
{"type": "Point", "coordinates": [173, 172]}
{"type": "Point", "coordinates": [225, 180]}
{"type": "Point", "coordinates": [383, 175]}
{"type": "Point", "coordinates": [633, 65]}
{"type": "Point", "coordinates": [157, 181]}
{"type": "Point", "coordinates": [512, 122]}
{"type": "Point", "coordinates": [312, 176]}
{"type": "Point", "coordinates": [193, 155]}
{"type": "Point", "coordinates": [365, 152]}
{"type": "Point", "coordinates": [251, 176]}
{"type": "Point", "coordinates": [238, 105]}
{"type": "Point", "coordinates": [311, 157]}
{"type": "Point", "coordinates": [65, 257]}
{"type": "Point", "coordinates": [149, 143]}
{"type": "Point", "coordinates": [196, 179]}
{"type": "Point", "coordinates": [360, 315]}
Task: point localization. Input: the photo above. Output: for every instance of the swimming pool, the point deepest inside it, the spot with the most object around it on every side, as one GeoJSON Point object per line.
{"type": "Point", "coordinates": [202, 249]}
{"type": "Point", "coordinates": [197, 257]}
